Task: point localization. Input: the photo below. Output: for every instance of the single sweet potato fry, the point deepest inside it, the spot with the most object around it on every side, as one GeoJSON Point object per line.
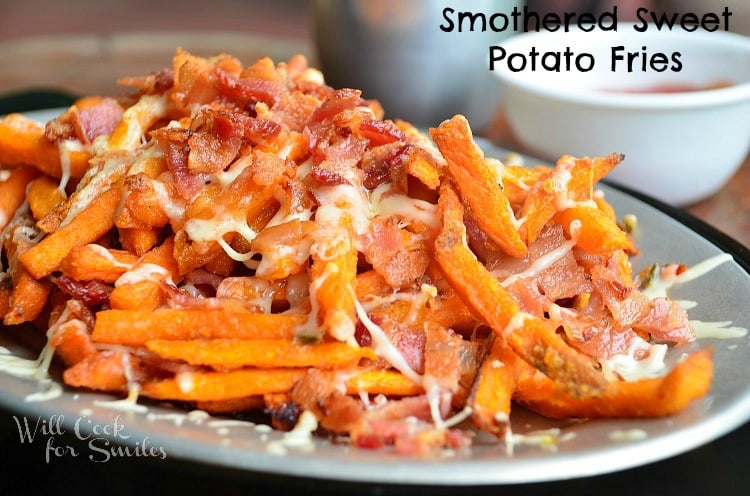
{"type": "Point", "coordinates": [13, 191]}
{"type": "Point", "coordinates": [22, 141]}
{"type": "Point", "coordinates": [5, 294]}
{"type": "Point", "coordinates": [493, 389]}
{"type": "Point", "coordinates": [28, 298]}
{"type": "Point", "coordinates": [102, 371]}
{"type": "Point", "coordinates": [138, 295]}
{"type": "Point", "coordinates": [370, 284]}
{"type": "Point", "coordinates": [222, 386]}
{"type": "Point", "coordinates": [139, 240]}
{"type": "Point", "coordinates": [135, 327]}
{"type": "Point", "coordinates": [92, 223]}
{"type": "Point", "coordinates": [261, 353]}
{"type": "Point", "coordinates": [72, 342]}
{"type": "Point", "coordinates": [658, 397]}
{"type": "Point", "coordinates": [478, 185]}
{"type": "Point", "coordinates": [387, 382]}
{"type": "Point", "coordinates": [596, 231]}
{"type": "Point", "coordinates": [43, 195]}
{"type": "Point", "coordinates": [95, 262]}
{"type": "Point", "coordinates": [334, 279]}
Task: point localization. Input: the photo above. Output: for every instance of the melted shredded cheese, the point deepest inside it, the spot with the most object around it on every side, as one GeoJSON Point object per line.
{"type": "Point", "coordinates": [145, 272]}
{"type": "Point", "coordinates": [540, 264]}
{"type": "Point", "coordinates": [547, 439]}
{"type": "Point", "coordinates": [717, 330]}
{"type": "Point", "coordinates": [384, 348]}
{"type": "Point", "coordinates": [561, 179]}
{"type": "Point", "coordinates": [642, 360]}
{"type": "Point", "coordinates": [129, 403]}
{"type": "Point", "coordinates": [411, 209]}
{"type": "Point", "coordinates": [38, 368]}
{"type": "Point", "coordinates": [298, 438]}
{"type": "Point", "coordinates": [64, 148]}
{"type": "Point", "coordinates": [659, 285]}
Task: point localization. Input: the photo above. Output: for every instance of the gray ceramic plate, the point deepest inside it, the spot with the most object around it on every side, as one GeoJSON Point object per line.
{"type": "Point", "coordinates": [585, 448]}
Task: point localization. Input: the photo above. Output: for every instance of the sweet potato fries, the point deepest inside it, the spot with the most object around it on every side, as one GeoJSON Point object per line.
{"type": "Point", "coordinates": [237, 237]}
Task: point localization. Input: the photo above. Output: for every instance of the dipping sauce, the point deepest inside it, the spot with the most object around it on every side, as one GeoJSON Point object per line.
{"type": "Point", "coordinates": [675, 87]}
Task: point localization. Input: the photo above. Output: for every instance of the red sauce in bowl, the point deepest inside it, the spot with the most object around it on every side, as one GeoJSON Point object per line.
{"type": "Point", "coordinates": [677, 87]}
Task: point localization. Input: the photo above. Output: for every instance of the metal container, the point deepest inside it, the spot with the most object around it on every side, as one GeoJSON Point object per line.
{"type": "Point", "coordinates": [396, 52]}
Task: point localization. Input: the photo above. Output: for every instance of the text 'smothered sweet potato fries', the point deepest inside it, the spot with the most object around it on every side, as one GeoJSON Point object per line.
{"type": "Point", "coordinates": [241, 238]}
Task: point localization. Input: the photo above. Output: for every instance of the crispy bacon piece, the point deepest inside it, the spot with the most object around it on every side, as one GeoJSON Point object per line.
{"type": "Point", "coordinates": [338, 158]}
{"type": "Point", "coordinates": [385, 163]}
{"type": "Point", "coordinates": [246, 90]}
{"type": "Point", "coordinates": [98, 120]}
{"type": "Point", "coordinates": [176, 143]}
{"type": "Point", "coordinates": [398, 255]}
{"type": "Point", "coordinates": [666, 321]}
{"type": "Point", "coordinates": [91, 293]}
{"type": "Point", "coordinates": [87, 123]}
{"type": "Point", "coordinates": [344, 99]}
{"type": "Point", "coordinates": [195, 79]}
{"type": "Point", "coordinates": [153, 84]}
{"type": "Point", "coordinates": [380, 132]}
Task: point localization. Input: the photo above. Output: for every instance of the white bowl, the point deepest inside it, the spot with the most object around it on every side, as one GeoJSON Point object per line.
{"type": "Point", "coordinates": [679, 147]}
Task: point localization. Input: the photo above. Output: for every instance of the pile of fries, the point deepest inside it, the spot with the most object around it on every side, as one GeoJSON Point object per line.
{"type": "Point", "coordinates": [248, 238]}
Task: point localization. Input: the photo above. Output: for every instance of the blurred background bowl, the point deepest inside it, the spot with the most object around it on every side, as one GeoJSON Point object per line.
{"type": "Point", "coordinates": [396, 53]}
{"type": "Point", "coordinates": [679, 146]}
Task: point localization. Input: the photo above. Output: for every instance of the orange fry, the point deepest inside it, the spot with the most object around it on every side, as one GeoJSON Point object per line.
{"type": "Point", "coordinates": [385, 382]}
{"type": "Point", "coordinates": [597, 232]}
{"type": "Point", "coordinates": [89, 225]}
{"type": "Point", "coordinates": [370, 284]}
{"type": "Point", "coordinates": [102, 371]}
{"type": "Point", "coordinates": [94, 262]}
{"type": "Point", "coordinates": [72, 342]}
{"type": "Point", "coordinates": [135, 327]}
{"type": "Point", "coordinates": [5, 294]}
{"type": "Point", "coordinates": [43, 195]}
{"type": "Point", "coordinates": [334, 276]}
{"type": "Point", "coordinates": [532, 338]}
{"type": "Point", "coordinates": [262, 353]}
{"type": "Point", "coordinates": [139, 240]}
{"type": "Point", "coordinates": [477, 184]}
{"type": "Point", "coordinates": [469, 278]}
{"type": "Point", "coordinates": [22, 141]}
{"type": "Point", "coordinates": [422, 166]}
{"type": "Point", "coordinates": [28, 298]}
{"type": "Point", "coordinates": [13, 191]}
{"type": "Point", "coordinates": [658, 397]}
{"type": "Point", "coordinates": [149, 282]}
{"type": "Point", "coordinates": [517, 180]}
{"type": "Point", "coordinates": [139, 295]}
{"type": "Point", "coordinates": [572, 181]}
{"type": "Point", "coordinates": [493, 390]}
{"type": "Point", "coordinates": [222, 386]}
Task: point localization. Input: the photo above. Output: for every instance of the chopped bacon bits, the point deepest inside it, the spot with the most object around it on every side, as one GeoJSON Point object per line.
{"type": "Point", "coordinates": [364, 271]}
{"type": "Point", "coordinates": [87, 123]}
{"type": "Point", "coordinates": [91, 293]}
{"type": "Point", "coordinates": [380, 132]}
